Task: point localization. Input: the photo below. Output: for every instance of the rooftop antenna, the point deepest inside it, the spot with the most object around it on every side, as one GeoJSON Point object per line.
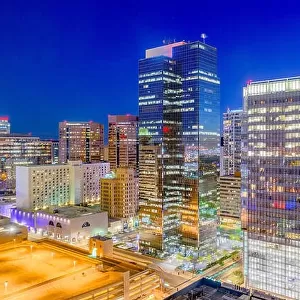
{"type": "Point", "coordinates": [203, 36]}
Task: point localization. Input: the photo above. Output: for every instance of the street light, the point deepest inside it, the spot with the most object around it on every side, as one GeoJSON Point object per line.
{"type": "Point", "coordinates": [5, 285]}
{"type": "Point", "coordinates": [74, 263]}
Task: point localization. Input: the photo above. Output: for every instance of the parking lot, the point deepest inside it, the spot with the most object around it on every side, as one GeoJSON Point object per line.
{"type": "Point", "coordinates": [31, 271]}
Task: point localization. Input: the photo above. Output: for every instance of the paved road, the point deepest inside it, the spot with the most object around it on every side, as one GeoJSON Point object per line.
{"type": "Point", "coordinates": [208, 273]}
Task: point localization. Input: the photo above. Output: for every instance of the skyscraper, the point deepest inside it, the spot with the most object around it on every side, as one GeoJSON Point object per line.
{"type": "Point", "coordinates": [122, 141]}
{"type": "Point", "coordinates": [231, 142]}
{"type": "Point", "coordinates": [160, 121]}
{"type": "Point", "coordinates": [230, 179]}
{"type": "Point", "coordinates": [4, 125]}
{"type": "Point", "coordinates": [270, 186]}
{"type": "Point", "coordinates": [80, 141]}
{"type": "Point", "coordinates": [179, 86]}
{"type": "Point", "coordinates": [200, 100]}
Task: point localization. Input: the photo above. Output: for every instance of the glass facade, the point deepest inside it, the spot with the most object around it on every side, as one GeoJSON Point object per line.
{"type": "Point", "coordinates": [161, 154]}
{"type": "Point", "coordinates": [179, 104]}
{"type": "Point", "coordinates": [200, 101]}
{"type": "Point", "coordinates": [271, 186]}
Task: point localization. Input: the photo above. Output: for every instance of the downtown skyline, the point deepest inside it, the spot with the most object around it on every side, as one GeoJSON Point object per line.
{"type": "Point", "coordinates": [65, 57]}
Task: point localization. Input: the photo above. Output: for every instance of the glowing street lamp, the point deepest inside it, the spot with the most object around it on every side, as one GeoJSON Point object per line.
{"type": "Point", "coordinates": [74, 263]}
{"type": "Point", "coordinates": [5, 285]}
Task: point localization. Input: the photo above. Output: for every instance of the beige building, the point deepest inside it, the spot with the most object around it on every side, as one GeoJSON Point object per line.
{"type": "Point", "coordinates": [119, 194]}
{"type": "Point", "coordinates": [150, 195]}
{"type": "Point", "coordinates": [122, 141]}
{"type": "Point", "coordinates": [42, 186]}
{"type": "Point", "coordinates": [230, 201]}
{"type": "Point", "coordinates": [100, 246]}
{"type": "Point", "coordinates": [105, 153]}
{"type": "Point", "coordinates": [81, 141]}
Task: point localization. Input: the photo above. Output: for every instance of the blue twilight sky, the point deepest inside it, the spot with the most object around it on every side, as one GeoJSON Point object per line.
{"type": "Point", "coordinates": [77, 60]}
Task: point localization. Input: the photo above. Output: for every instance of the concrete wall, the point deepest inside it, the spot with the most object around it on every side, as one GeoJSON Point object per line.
{"type": "Point", "coordinates": [103, 247]}
{"type": "Point", "coordinates": [23, 187]}
{"type": "Point", "coordinates": [98, 225]}
{"type": "Point", "coordinates": [69, 228]}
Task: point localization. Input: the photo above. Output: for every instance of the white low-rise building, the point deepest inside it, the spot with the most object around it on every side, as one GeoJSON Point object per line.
{"type": "Point", "coordinates": [69, 223]}
{"type": "Point", "coordinates": [42, 186]}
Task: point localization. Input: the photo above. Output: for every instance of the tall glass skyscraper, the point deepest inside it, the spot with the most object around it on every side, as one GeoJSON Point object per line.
{"type": "Point", "coordinates": [160, 146]}
{"type": "Point", "coordinates": [271, 186]}
{"type": "Point", "coordinates": [200, 100]}
{"type": "Point", "coordinates": [179, 105]}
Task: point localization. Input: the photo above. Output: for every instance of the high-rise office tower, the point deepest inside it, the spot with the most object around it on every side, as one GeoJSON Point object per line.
{"type": "Point", "coordinates": [150, 195]}
{"type": "Point", "coordinates": [16, 150]}
{"type": "Point", "coordinates": [187, 74]}
{"type": "Point", "coordinates": [230, 179]}
{"type": "Point", "coordinates": [119, 194]}
{"type": "Point", "coordinates": [122, 141]}
{"type": "Point", "coordinates": [81, 141]}
{"type": "Point", "coordinates": [200, 100]}
{"type": "Point", "coordinates": [271, 186]}
{"type": "Point", "coordinates": [161, 147]}
{"type": "Point", "coordinates": [231, 142]}
{"type": "Point", "coordinates": [4, 125]}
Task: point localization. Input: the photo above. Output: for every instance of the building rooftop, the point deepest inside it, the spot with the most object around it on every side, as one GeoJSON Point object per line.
{"type": "Point", "coordinates": [113, 220]}
{"type": "Point", "coordinates": [71, 211]}
{"type": "Point", "coordinates": [70, 163]}
{"type": "Point", "coordinates": [207, 289]}
{"type": "Point", "coordinates": [271, 86]}
{"type": "Point", "coordinates": [101, 238]}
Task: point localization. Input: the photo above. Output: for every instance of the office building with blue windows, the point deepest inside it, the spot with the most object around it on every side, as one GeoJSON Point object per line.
{"type": "Point", "coordinates": [179, 105]}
